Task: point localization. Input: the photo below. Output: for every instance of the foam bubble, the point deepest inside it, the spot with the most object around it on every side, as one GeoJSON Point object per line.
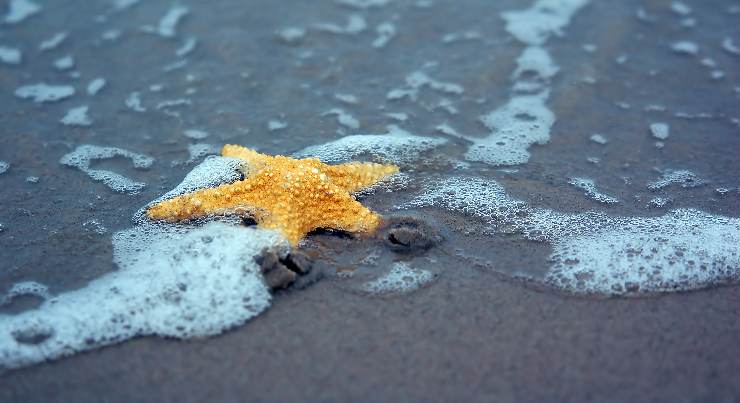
{"type": "Point", "coordinates": [660, 201]}
{"type": "Point", "coordinates": [399, 116]}
{"type": "Point", "coordinates": [77, 117]}
{"type": "Point", "coordinates": [355, 25]}
{"type": "Point", "coordinates": [53, 42]}
{"type": "Point", "coordinates": [536, 61]}
{"type": "Point", "coordinates": [460, 36]}
{"type": "Point", "coordinates": [168, 24]}
{"type": "Point", "coordinates": [660, 130]}
{"type": "Point", "coordinates": [362, 4]}
{"type": "Point", "coordinates": [291, 35]}
{"type": "Point", "coordinates": [386, 31]}
{"type": "Point", "coordinates": [120, 5]}
{"type": "Point", "coordinates": [43, 92]}
{"type": "Point", "coordinates": [171, 103]}
{"type": "Point", "coordinates": [589, 187]}
{"type": "Point", "coordinates": [398, 146]}
{"type": "Point", "coordinates": [274, 125]}
{"type": "Point", "coordinates": [195, 134]}
{"type": "Point", "coordinates": [85, 154]}
{"type": "Point", "coordinates": [445, 128]}
{"type": "Point", "coordinates": [589, 47]}
{"type": "Point", "coordinates": [111, 34]}
{"type": "Point", "coordinates": [187, 47]}
{"type": "Point", "coordinates": [685, 47]}
{"type": "Point", "coordinates": [400, 279]}
{"type": "Point", "coordinates": [95, 226]}
{"type": "Point", "coordinates": [177, 65]}
{"type": "Point", "coordinates": [515, 126]}
{"type": "Point", "coordinates": [19, 10]}
{"type": "Point", "coordinates": [344, 118]}
{"type": "Point", "coordinates": [680, 8]}
{"type": "Point", "coordinates": [200, 150]}
{"type": "Point", "coordinates": [172, 281]}
{"type": "Point", "coordinates": [599, 138]}
{"type": "Point", "coordinates": [418, 80]}
{"type": "Point", "coordinates": [730, 47]}
{"type": "Point", "coordinates": [545, 18]}
{"type": "Point", "coordinates": [346, 98]}
{"type": "Point", "coordinates": [95, 86]}
{"type": "Point", "coordinates": [10, 55]}
{"type": "Point", "coordinates": [4, 167]}
{"type": "Point", "coordinates": [133, 101]}
{"type": "Point", "coordinates": [64, 63]}
{"type": "Point", "coordinates": [684, 178]}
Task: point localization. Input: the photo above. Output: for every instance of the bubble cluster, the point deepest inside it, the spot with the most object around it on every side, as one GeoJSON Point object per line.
{"type": "Point", "coordinates": [523, 121]}
{"type": "Point", "coordinates": [418, 80]}
{"type": "Point", "coordinates": [23, 288]}
{"type": "Point", "coordinates": [43, 92]}
{"type": "Point", "coordinates": [397, 146]}
{"type": "Point", "coordinates": [77, 117]}
{"type": "Point", "coordinates": [400, 279]}
{"type": "Point", "coordinates": [595, 253]}
{"type": "Point", "coordinates": [343, 118]}
{"type": "Point", "coordinates": [10, 55]}
{"type": "Point", "coordinates": [589, 187]}
{"type": "Point", "coordinates": [19, 10]}
{"type": "Point", "coordinates": [85, 154]}
{"type": "Point", "coordinates": [683, 178]}
{"type": "Point", "coordinates": [469, 195]}
{"type": "Point", "coordinates": [172, 281]}
{"type": "Point", "coordinates": [599, 254]}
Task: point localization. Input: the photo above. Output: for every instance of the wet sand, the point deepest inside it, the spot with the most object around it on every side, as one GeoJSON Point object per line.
{"type": "Point", "coordinates": [497, 340]}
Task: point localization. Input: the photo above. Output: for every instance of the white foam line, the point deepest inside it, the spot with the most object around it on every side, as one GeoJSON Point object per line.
{"type": "Point", "coordinates": [83, 156]}
{"type": "Point", "coordinates": [525, 119]}
{"type": "Point", "coordinates": [398, 146]}
{"type": "Point", "coordinates": [595, 253]}
{"type": "Point", "coordinates": [19, 10]}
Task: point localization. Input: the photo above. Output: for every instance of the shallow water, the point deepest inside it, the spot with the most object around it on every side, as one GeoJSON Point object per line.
{"type": "Point", "coordinates": [170, 84]}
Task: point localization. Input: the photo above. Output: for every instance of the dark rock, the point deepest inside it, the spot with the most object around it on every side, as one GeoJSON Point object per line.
{"type": "Point", "coordinates": [296, 269]}
{"type": "Point", "coordinates": [409, 234]}
{"type": "Point", "coordinates": [299, 262]}
{"type": "Point", "coordinates": [277, 275]}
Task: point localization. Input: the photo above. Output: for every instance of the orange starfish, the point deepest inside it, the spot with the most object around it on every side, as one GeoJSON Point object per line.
{"type": "Point", "coordinates": [294, 196]}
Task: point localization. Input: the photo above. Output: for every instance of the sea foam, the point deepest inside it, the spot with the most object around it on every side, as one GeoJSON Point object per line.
{"type": "Point", "coordinates": [179, 281]}
{"type": "Point", "coordinates": [596, 253]}
{"type": "Point", "coordinates": [397, 145]}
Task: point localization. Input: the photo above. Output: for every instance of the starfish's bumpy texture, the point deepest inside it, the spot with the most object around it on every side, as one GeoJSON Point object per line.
{"type": "Point", "coordinates": [294, 196]}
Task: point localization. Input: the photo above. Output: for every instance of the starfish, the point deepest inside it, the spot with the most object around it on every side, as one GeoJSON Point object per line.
{"type": "Point", "coordinates": [293, 196]}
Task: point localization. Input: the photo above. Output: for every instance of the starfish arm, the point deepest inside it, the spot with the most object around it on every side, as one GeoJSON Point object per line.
{"type": "Point", "coordinates": [353, 217]}
{"type": "Point", "coordinates": [355, 176]}
{"type": "Point", "coordinates": [250, 157]}
{"type": "Point", "coordinates": [203, 202]}
{"type": "Point", "coordinates": [333, 208]}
